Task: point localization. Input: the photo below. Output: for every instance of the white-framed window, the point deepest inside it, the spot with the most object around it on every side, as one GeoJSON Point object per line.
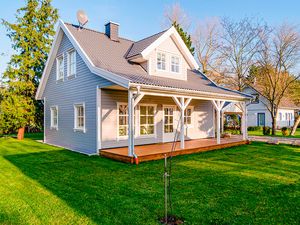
{"type": "Point", "coordinates": [280, 116]}
{"type": "Point", "coordinates": [79, 117]}
{"type": "Point", "coordinates": [60, 68]}
{"type": "Point", "coordinates": [147, 122]}
{"type": "Point", "coordinates": [122, 119]}
{"type": "Point", "coordinates": [71, 63]}
{"type": "Point", "coordinates": [54, 117]}
{"type": "Point", "coordinates": [175, 64]}
{"type": "Point", "coordinates": [188, 116]}
{"type": "Point", "coordinates": [169, 119]}
{"type": "Point", "coordinates": [161, 61]}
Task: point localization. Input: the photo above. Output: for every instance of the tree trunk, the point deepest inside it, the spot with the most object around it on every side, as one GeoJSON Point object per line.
{"type": "Point", "coordinates": [273, 125]}
{"type": "Point", "coordinates": [297, 122]}
{"type": "Point", "coordinates": [21, 133]}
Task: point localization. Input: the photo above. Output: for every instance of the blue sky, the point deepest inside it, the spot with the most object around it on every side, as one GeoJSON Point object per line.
{"type": "Point", "coordinates": [139, 19]}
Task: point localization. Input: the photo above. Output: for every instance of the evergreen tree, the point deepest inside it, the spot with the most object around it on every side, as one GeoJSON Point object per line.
{"type": "Point", "coordinates": [31, 37]}
{"type": "Point", "coordinates": [185, 37]}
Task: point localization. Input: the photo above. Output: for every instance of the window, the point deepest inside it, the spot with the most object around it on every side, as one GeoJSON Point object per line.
{"type": "Point", "coordinates": [175, 64]}
{"type": "Point", "coordinates": [280, 116]}
{"type": "Point", "coordinates": [123, 120]}
{"type": "Point", "coordinates": [147, 120]}
{"type": "Point", "coordinates": [54, 117]}
{"type": "Point", "coordinates": [72, 63]}
{"type": "Point", "coordinates": [286, 116]}
{"type": "Point", "coordinates": [161, 61]}
{"type": "Point", "coordinates": [188, 116]}
{"type": "Point", "coordinates": [79, 120]}
{"type": "Point", "coordinates": [60, 68]}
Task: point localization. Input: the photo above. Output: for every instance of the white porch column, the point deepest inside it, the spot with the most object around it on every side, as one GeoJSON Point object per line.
{"type": "Point", "coordinates": [218, 106]}
{"type": "Point", "coordinates": [130, 124]}
{"type": "Point", "coordinates": [244, 121]}
{"type": "Point", "coordinates": [182, 106]}
{"type": "Point", "coordinates": [182, 123]}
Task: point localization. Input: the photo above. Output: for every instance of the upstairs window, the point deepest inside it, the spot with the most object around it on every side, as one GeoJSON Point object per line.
{"type": "Point", "coordinates": [60, 68]}
{"type": "Point", "coordinates": [54, 117]}
{"type": "Point", "coordinates": [175, 64]}
{"type": "Point", "coordinates": [71, 63]}
{"type": "Point", "coordinates": [79, 120]}
{"type": "Point", "coordinates": [161, 61]}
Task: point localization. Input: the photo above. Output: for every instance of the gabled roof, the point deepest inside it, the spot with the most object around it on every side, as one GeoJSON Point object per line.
{"type": "Point", "coordinates": [138, 47]}
{"type": "Point", "coordinates": [108, 59]}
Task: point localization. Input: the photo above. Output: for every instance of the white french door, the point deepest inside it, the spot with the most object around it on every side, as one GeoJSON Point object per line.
{"type": "Point", "coordinates": [168, 123]}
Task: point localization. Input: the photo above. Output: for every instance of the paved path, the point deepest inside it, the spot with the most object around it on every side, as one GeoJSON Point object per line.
{"type": "Point", "coordinates": [282, 140]}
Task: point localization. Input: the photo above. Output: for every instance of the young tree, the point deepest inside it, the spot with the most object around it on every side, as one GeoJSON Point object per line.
{"type": "Point", "coordinates": [174, 15]}
{"type": "Point", "coordinates": [31, 38]}
{"type": "Point", "coordinates": [185, 37]}
{"type": "Point", "coordinates": [240, 44]}
{"type": "Point", "coordinates": [277, 59]}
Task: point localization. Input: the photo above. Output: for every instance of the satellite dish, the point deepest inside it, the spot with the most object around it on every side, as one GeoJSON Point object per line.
{"type": "Point", "coordinates": [82, 18]}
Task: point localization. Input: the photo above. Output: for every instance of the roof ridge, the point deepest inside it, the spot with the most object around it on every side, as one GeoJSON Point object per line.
{"type": "Point", "coordinates": [96, 31]}
{"type": "Point", "coordinates": [151, 35]}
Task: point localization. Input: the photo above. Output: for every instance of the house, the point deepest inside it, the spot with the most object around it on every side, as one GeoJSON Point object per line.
{"type": "Point", "coordinates": [258, 114]}
{"type": "Point", "coordinates": [103, 91]}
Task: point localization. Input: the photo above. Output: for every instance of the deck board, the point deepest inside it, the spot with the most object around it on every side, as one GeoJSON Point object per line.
{"type": "Point", "coordinates": [158, 151]}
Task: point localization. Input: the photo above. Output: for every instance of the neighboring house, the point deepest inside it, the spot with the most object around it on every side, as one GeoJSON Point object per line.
{"type": "Point", "coordinates": [258, 114]}
{"type": "Point", "coordinates": [103, 91]}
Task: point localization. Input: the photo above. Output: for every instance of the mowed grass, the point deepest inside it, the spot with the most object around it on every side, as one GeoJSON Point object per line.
{"type": "Point", "coordinates": [251, 184]}
{"type": "Point", "coordinates": [278, 133]}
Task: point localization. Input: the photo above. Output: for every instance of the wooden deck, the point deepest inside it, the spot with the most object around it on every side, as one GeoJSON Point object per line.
{"type": "Point", "coordinates": [158, 151]}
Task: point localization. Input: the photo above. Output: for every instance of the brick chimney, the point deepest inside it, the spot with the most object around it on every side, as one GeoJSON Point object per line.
{"type": "Point", "coordinates": [112, 30]}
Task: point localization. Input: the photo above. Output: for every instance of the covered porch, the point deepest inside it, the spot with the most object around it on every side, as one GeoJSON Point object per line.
{"type": "Point", "coordinates": [158, 151]}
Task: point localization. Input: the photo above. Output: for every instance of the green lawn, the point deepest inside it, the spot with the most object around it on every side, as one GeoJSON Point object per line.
{"type": "Point", "coordinates": [278, 133]}
{"type": "Point", "coordinates": [253, 184]}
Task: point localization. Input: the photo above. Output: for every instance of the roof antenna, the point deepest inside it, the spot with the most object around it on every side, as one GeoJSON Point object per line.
{"type": "Point", "coordinates": [82, 18]}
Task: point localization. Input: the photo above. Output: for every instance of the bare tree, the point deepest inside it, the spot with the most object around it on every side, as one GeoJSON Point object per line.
{"type": "Point", "coordinates": [240, 44]}
{"type": "Point", "coordinates": [176, 13]}
{"type": "Point", "coordinates": [206, 39]}
{"type": "Point", "coordinates": [277, 60]}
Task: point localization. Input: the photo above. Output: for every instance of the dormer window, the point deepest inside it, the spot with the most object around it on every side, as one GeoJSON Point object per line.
{"type": "Point", "coordinates": [161, 61]}
{"type": "Point", "coordinates": [60, 68]}
{"type": "Point", "coordinates": [175, 64]}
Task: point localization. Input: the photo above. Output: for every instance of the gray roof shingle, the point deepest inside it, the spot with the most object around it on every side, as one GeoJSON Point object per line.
{"type": "Point", "coordinates": [111, 56]}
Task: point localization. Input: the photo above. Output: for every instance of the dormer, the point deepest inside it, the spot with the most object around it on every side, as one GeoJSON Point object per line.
{"type": "Point", "coordinates": [163, 54]}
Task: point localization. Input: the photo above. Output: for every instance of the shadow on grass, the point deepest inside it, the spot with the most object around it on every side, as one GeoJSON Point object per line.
{"type": "Point", "coordinates": [221, 187]}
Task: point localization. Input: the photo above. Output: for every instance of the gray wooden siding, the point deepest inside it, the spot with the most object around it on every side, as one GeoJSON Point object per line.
{"type": "Point", "coordinates": [65, 94]}
{"type": "Point", "coordinates": [202, 117]}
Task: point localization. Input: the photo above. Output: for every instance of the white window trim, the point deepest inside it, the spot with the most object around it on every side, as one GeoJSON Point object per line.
{"type": "Point", "coordinates": [53, 127]}
{"type": "Point", "coordinates": [79, 129]}
{"type": "Point", "coordinates": [192, 117]}
{"type": "Point", "coordinates": [68, 63]}
{"type": "Point", "coordinates": [139, 122]}
{"type": "Point", "coordinates": [179, 63]}
{"type": "Point", "coordinates": [166, 61]}
{"type": "Point", "coordinates": [57, 67]}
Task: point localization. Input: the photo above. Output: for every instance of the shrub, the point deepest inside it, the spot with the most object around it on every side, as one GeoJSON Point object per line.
{"type": "Point", "coordinates": [254, 128]}
{"type": "Point", "coordinates": [285, 131]}
{"type": "Point", "coordinates": [266, 130]}
{"type": "Point", "coordinates": [232, 131]}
